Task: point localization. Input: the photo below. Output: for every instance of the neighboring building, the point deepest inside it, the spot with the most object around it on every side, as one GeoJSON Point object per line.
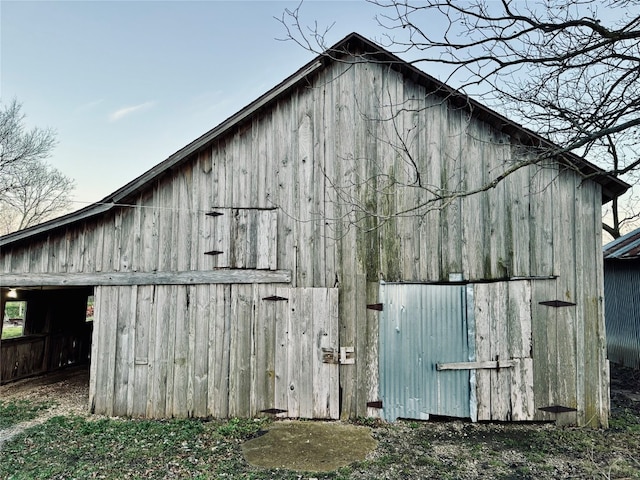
{"type": "Point", "coordinates": [260, 268]}
{"type": "Point", "coordinates": [622, 299]}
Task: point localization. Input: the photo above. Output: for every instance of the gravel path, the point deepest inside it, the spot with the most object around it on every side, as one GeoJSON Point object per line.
{"type": "Point", "coordinates": [68, 390]}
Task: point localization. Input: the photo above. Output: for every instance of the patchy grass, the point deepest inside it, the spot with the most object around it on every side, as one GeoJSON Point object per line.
{"type": "Point", "coordinates": [17, 411]}
{"type": "Point", "coordinates": [75, 447]}
{"type": "Point", "coordinates": [12, 331]}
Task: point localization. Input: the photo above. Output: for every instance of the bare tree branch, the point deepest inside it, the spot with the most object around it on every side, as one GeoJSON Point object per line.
{"type": "Point", "coordinates": [31, 191]}
{"type": "Point", "coordinates": [567, 69]}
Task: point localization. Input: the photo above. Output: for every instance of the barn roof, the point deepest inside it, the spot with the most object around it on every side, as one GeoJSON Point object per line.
{"type": "Point", "coordinates": [626, 247]}
{"type": "Point", "coordinates": [368, 52]}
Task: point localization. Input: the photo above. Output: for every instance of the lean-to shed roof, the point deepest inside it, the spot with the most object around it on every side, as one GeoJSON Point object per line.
{"type": "Point", "coordinates": [626, 247]}
{"type": "Point", "coordinates": [368, 52]}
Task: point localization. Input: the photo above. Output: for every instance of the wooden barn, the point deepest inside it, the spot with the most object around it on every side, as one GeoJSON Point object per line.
{"type": "Point", "coordinates": [622, 299]}
{"type": "Point", "coordinates": [319, 255]}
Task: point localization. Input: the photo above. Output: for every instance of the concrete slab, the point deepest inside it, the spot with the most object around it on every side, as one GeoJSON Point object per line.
{"type": "Point", "coordinates": [309, 446]}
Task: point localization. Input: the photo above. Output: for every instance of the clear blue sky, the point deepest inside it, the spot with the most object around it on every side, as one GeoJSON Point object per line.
{"type": "Point", "coordinates": [126, 84]}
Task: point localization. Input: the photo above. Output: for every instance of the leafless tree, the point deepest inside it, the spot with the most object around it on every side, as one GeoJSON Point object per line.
{"type": "Point", "coordinates": [31, 190]}
{"type": "Point", "coordinates": [567, 69]}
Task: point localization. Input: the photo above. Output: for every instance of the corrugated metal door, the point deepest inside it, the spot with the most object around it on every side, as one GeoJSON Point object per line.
{"type": "Point", "coordinates": [420, 326]}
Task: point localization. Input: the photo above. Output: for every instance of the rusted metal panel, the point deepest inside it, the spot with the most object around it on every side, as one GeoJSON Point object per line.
{"type": "Point", "coordinates": [421, 326]}
{"type": "Point", "coordinates": [625, 247]}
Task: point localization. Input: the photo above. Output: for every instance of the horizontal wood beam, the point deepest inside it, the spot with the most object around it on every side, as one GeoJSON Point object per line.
{"type": "Point", "coordinates": [474, 365]}
{"type": "Point", "coordinates": [12, 280]}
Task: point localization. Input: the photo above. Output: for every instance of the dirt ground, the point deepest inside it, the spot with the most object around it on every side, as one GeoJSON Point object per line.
{"type": "Point", "coordinates": [68, 389]}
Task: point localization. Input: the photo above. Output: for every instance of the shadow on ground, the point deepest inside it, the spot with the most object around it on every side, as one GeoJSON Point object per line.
{"type": "Point", "coordinates": [309, 446]}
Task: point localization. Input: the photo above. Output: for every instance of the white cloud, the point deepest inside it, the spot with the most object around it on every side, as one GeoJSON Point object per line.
{"type": "Point", "coordinates": [125, 111]}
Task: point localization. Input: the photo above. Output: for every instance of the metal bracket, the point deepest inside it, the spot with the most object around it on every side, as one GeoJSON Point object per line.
{"type": "Point", "coordinates": [275, 298]}
{"type": "Point", "coordinates": [345, 356]}
{"type": "Point", "coordinates": [273, 411]}
{"type": "Point", "coordinates": [557, 303]}
{"type": "Point", "coordinates": [557, 409]}
{"type": "Point", "coordinates": [498, 364]}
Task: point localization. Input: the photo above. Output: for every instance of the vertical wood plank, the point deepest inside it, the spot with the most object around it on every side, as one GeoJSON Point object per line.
{"type": "Point", "coordinates": [519, 237]}
{"type": "Point", "coordinates": [361, 367]}
{"type": "Point", "coordinates": [334, 325]}
{"type": "Point", "coordinates": [130, 317]}
{"type": "Point", "coordinates": [482, 315]}
{"type": "Point", "coordinates": [181, 355]}
{"type": "Point", "coordinates": [152, 365]}
{"type": "Point", "coordinates": [240, 359]}
{"type": "Point", "coordinates": [541, 213]}
{"type": "Point", "coordinates": [543, 334]}
{"type": "Point", "coordinates": [131, 231]}
{"type": "Point", "coordinates": [123, 361]}
{"type": "Point", "coordinates": [499, 210]}
{"type": "Point", "coordinates": [304, 351]}
{"type": "Point", "coordinates": [519, 319]}
{"type": "Point", "coordinates": [95, 369]}
{"type": "Point", "coordinates": [565, 265]}
{"type": "Point", "coordinates": [141, 357]}
{"type": "Point", "coordinates": [222, 237]}
{"type": "Point", "coordinates": [201, 353]}
{"type": "Point", "coordinates": [170, 331]}
{"type": "Point", "coordinates": [205, 223]}
{"type": "Point", "coordinates": [191, 347]}
{"type": "Point", "coordinates": [166, 215]}
{"type": "Point", "coordinates": [218, 176]}
{"type": "Point", "coordinates": [450, 220]}
{"type": "Point", "coordinates": [431, 248]}
{"type": "Point", "coordinates": [329, 201]}
{"type": "Point", "coordinates": [282, 321]}
{"type": "Point", "coordinates": [99, 245]}
{"type": "Point", "coordinates": [104, 398]}
{"type": "Point", "coordinates": [219, 341]}
{"type": "Point", "coordinates": [475, 208]}
{"type": "Point", "coordinates": [263, 368]}
{"type": "Point", "coordinates": [521, 388]}
{"type": "Point", "coordinates": [114, 255]}
{"type": "Point", "coordinates": [293, 353]}
{"type": "Point", "coordinates": [184, 246]}
{"type": "Point", "coordinates": [304, 196]}
{"type": "Point", "coordinates": [161, 349]}
{"type": "Point", "coordinates": [500, 379]}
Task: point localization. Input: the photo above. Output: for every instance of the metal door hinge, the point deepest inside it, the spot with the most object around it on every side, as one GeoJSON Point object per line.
{"type": "Point", "coordinates": [557, 303]}
{"type": "Point", "coordinates": [275, 298]}
{"type": "Point", "coordinates": [557, 409]}
{"type": "Point", "coordinates": [273, 411]}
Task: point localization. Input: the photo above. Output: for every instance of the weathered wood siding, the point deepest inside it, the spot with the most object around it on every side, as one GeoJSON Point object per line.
{"type": "Point", "coordinates": [323, 156]}
{"type": "Point", "coordinates": [214, 350]}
